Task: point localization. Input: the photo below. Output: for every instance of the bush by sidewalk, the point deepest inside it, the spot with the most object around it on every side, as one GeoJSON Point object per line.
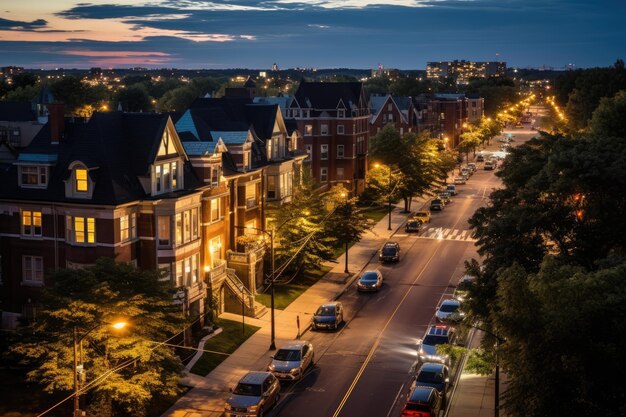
{"type": "Point", "coordinates": [231, 337]}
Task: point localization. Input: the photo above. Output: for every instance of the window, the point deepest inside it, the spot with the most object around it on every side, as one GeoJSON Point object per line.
{"type": "Point", "coordinates": [308, 130]}
{"type": "Point", "coordinates": [323, 174]}
{"type": "Point", "coordinates": [32, 270]}
{"type": "Point", "coordinates": [166, 272]}
{"type": "Point", "coordinates": [340, 130]}
{"type": "Point", "coordinates": [164, 230]}
{"type": "Point", "coordinates": [186, 224]}
{"type": "Point", "coordinates": [271, 186]}
{"type": "Point", "coordinates": [309, 151]}
{"type": "Point", "coordinates": [269, 149]}
{"type": "Point", "coordinates": [215, 249]}
{"type": "Point", "coordinates": [389, 107]}
{"type": "Point", "coordinates": [180, 279]}
{"type": "Point", "coordinates": [31, 223]}
{"type": "Point", "coordinates": [341, 113]}
{"type": "Point", "coordinates": [128, 227]}
{"type": "Point", "coordinates": [340, 151]}
{"type": "Point", "coordinates": [339, 174]}
{"type": "Point", "coordinates": [215, 210]}
{"type": "Point", "coordinates": [81, 229]}
{"type": "Point", "coordinates": [81, 180]}
{"type": "Point", "coordinates": [323, 152]}
{"type": "Point", "coordinates": [34, 176]}
{"type": "Point", "coordinates": [246, 159]}
{"type": "Point", "coordinates": [166, 177]}
{"type": "Point", "coordinates": [215, 176]}
{"type": "Point", "coordinates": [324, 129]}
{"type": "Point", "coordinates": [187, 271]}
{"type": "Point", "coordinates": [250, 195]}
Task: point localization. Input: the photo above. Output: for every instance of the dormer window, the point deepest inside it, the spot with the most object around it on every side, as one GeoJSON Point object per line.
{"type": "Point", "coordinates": [81, 183]}
{"type": "Point", "coordinates": [166, 177]}
{"type": "Point", "coordinates": [33, 176]}
{"type": "Point", "coordinates": [341, 113]}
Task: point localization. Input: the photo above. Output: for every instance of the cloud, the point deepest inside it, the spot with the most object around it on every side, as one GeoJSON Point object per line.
{"type": "Point", "coordinates": [6, 24]}
{"type": "Point", "coordinates": [313, 25]}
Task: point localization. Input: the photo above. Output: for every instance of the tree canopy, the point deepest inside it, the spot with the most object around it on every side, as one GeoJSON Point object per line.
{"type": "Point", "coordinates": [124, 371]}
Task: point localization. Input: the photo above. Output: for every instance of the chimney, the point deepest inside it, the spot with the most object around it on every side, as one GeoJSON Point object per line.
{"type": "Point", "coordinates": [56, 119]}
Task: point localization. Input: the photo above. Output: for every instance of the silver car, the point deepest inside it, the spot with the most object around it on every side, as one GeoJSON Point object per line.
{"type": "Point", "coordinates": [254, 394]}
{"type": "Point", "coordinates": [291, 360]}
{"type": "Point", "coordinates": [449, 311]}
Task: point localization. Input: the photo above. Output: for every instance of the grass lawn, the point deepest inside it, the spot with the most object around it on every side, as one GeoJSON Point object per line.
{"type": "Point", "coordinates": [284, 294]}
{"type": "Point", "coordinates": [375, 213]}
{"type": "Point", "coordinates": [227, 341]}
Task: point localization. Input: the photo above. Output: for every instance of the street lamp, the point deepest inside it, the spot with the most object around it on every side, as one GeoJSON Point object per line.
{"type": "Point", "coordinates": [78, 341]}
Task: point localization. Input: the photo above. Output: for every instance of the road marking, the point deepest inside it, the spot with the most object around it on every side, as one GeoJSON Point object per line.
{"type": "Point", "coordinates": [379, 338]}
{"type": "Point", "coordinates": [441, 233]}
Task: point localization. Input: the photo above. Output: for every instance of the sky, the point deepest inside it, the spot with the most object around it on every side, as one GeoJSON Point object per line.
{"type": "Point", "coordinates": [218, 34]}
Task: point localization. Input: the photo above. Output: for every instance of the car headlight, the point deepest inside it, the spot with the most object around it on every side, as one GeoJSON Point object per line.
{"type": "Point", "coordinates": [253, 408]}
{"type": "Point", "coordinates": [294, 370]}
{"type": "Point", "coordinates": [271, 367]}
{"type": "Point", "coordinates": [227, 407]}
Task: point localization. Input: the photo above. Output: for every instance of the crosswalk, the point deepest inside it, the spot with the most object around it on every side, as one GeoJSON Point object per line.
{"type": "Point", "coordinates": [441, 233]}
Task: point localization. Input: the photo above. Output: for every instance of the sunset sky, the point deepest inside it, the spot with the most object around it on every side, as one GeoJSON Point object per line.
{"type": "Point", "coordinates": [401, 34]}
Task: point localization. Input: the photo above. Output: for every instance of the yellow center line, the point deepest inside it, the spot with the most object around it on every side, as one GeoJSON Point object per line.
{"type": "Point", "coordinates": [378, 339]}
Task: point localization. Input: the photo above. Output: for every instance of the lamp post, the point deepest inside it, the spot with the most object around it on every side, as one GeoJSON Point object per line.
{"type": "Point", "coordinates": [78, 341]}
{"type": "Point", "coordinates": [496, 399]}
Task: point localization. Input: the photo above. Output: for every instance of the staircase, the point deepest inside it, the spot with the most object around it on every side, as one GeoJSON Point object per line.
{"type": "Point", "coordinates": [243, 295]}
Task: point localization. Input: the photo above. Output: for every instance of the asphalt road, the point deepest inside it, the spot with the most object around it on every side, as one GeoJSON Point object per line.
{"type": "Point", "coordinates": [365, 368]}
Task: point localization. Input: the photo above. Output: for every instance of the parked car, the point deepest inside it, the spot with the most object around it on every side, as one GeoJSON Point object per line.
{"type": "Point", "coordinates": [466, 172]}
{"type": "Point", "coordinates": [390, 252]}
{"type": "Point", "coordinates": [413, 225]}
{"type": "Point", "coordinates": [422, 215]}
{"type": "Point", "coordinates": [472, 166]}
{"type": "Point", "coordinates": [291, 360]}
{"type": "Point", "coordinates": [435, 375]}
{"type": "Point", "coordinates": [489, 166]}
{"type": "Point", "coordinates": [328, 316]}
{"type": "Point", "coordinates": [459, 180]}
{"type": "Point", "coordinates": [480, 158]}
{"type": "Point", "coordinates": [462, 288]}
{"type": "Point", "coordinates": [449, 311]}
{"type": "Point", "coordinates": [422, 402]}
{"type": "Point", "coordinates": [451, 188]}
{"type": "Point", "coordinates": [253, 395]}
{"type": "Point", "coordinates": [435, 335]}
{"type": "Point", "coordinates": [444, 197]}
{"type": "Point", "coordinates": [436, 205]}
{"type": "Point", "coordinates": [370, 281]}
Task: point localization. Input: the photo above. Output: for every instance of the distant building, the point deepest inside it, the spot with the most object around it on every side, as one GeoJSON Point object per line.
{"type": "Point", "coordinates": [7, 71]}
{"type": "Point", "coordinates": [463, 71]}
{"type": "Point", "coordinates": [381, 71]}
{"type": "Point", "coordinates": [275, 67]}
{"type": "Point", "coordinates": [95, 72]}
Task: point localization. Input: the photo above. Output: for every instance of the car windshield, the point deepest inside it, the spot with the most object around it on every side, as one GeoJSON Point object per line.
{"type": "Point", "coordinates": [253, 390]}
{"type": "Point", "coordinates": [448, 308]}
{"type": "Point", "coordinates": [451, 187]}
{"type": "Point", "coordinates": [325, 311]}
{"type": "Point", "coordinates": [369, 276]}
{"type": "Point", "coordinates": [389, 250]}
{"type": "Point", "coordinates": [429, 377]}
{"type": "Point", "coordinates": [417, 407]}
{"type": "Point", "coordinates": [413, 224]}
{"type": "Point", "coordinates": [287, 355]}
{"type": "Point", "coordinates": [421, 214]}
{"type": "Point", "coordinates": [431, 340]}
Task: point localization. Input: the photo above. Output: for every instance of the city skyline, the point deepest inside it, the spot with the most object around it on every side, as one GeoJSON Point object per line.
{"type": "Point", "coordinates": [403, 34]}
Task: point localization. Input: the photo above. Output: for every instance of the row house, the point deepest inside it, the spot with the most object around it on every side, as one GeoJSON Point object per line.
{"type": "Point", "coordinates": [19, 124]}
{"type": "Point", "coordinates": [334, 121]}
{"type": "Point", "coordinates": [390, 110]}
{"type": "Point", "coordinates": [261, 166]}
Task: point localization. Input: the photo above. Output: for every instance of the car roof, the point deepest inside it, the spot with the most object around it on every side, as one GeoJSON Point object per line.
{"type": "Point", "coordinates": [294, 344]}
{"type": "Point", "coordinates": [254, 377]}
{"type": "Point", "coordinates": [332, 304]}
{"type": "Point", "coordinates": [432, 367]}
{"type": "Point", "coordinates": [420, 394]}
{"type": "Point", "coordinates": [438, 330]}
{"type": "Point", "coordinates": [391, 244]}
{"type": "Point", "coordinates": [370, 271]}
{"type": "Point", "coordinates": [451, 301]}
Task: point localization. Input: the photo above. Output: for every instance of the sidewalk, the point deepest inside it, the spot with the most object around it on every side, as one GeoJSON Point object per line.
{"type": "Point", "coordinates": [474, 395]}
{"type": "Point", "coordinates": [206, 398]}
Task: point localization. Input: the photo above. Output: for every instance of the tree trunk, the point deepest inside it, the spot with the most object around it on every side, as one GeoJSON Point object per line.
{"type": "Point", "coordinates": [407, 204]}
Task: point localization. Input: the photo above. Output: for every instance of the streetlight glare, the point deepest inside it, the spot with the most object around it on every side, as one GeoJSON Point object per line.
{"type": "Point", "coordinates": [119, 325]}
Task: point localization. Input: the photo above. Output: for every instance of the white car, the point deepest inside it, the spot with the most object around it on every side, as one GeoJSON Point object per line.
{"type": "Point", "coordinates": [449, 311]}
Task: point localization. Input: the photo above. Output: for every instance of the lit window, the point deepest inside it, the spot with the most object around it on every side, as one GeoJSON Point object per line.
{"type": "Point", "coordinates": [215, 248]}
{"type": "Point", "coordinates": [31, 223]}
{"type": "Point", "coordinates": [164, 230]}
{"type": "Point", "coordinates": [179, 228]}
{"type": "Point", "coordinates": [124, 228]}
{"type": "Point", "coordinates": [81, 180]}
{"type": "Point", "coordinates": [81, 229]}
{"type": "Point", "coordinates": [308, 130]}
{"type": "Point", "coordinates": [215, 209]}
{"type": "Point", "coordinates": [32, 270]}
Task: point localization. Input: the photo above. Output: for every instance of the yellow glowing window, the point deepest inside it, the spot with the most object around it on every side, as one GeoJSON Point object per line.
{"type": "Point", "coordinates": [91, 230]}
{"type": "Point", "coordinates": [81, 179]}
{"type": "Point", "coordinates": [79, 228]}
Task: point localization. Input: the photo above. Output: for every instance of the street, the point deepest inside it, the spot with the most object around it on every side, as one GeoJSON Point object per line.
{"type": "Point", "coordinates": [365, 368]}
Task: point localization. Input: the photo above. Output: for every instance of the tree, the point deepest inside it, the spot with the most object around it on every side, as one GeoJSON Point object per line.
{"type": "Point", "coordinates": [24, 79]}
{"type": "Point", "coordinates": [134, 99]}
{"type": "Point", "coordinates": [608, 118]}
{"type": "Point", "coordinates": [470, 140]}
{"type": "Point", "coordinates": [87, 298]}
{"type": "Point", "coordinates": [178, 99]}
{"type": "Point", "coordinates": [22, 94]}
{"type": "Point", "coordinates": [71, 91]}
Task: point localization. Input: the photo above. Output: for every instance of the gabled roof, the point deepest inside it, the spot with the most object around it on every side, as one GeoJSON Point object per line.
{"type": "Point", "coordinates": [377, 104]}
{"type": "Point", "coordinates": [117, 148]}
{"type": "Point", "coordinates": [231, 138]}
{"type": "Point", "coordinates": [17, 111]}
{"type": "Point", "coordinates": [320, 95]}
{"type": "Point", "coordinates": [282, 101]}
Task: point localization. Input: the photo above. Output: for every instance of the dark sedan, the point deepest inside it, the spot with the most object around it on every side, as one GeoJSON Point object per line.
{"type": "Point", "coordinates": [413, 226]}
{"type": "Point", "coordinates": [370, 281]}
{"type": "Point", "coordinates": [390, 252]}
